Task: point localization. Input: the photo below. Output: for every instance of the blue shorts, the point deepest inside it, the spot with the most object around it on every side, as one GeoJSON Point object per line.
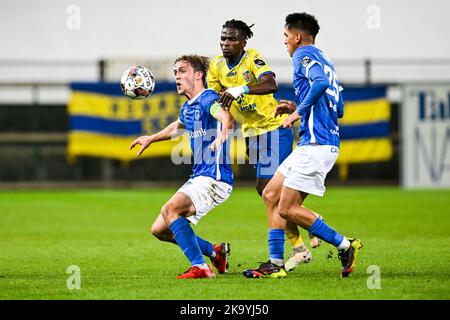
{"type": "Point", "coordinates": [267, 151]}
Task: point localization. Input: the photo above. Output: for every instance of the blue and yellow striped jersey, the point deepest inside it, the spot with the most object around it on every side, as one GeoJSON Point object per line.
{"type": "Point", "coordinates": [254, 111]}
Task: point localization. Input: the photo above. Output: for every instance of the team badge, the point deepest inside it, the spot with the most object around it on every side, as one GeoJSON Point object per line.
{"type": "Point", "coordinates": [259, 63]}
{"type": "Point", "coordinates": [247, 76]}
{"type": "Point", "coordinates": [306, 61]}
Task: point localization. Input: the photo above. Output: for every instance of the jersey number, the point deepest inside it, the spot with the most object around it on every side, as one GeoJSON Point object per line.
{"type": "Point", "coordinates": [332, 79]}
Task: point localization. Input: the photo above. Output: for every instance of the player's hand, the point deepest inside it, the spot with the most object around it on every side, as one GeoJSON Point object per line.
{"type": "Point", "coordinates": [230, 95]}
{"type": "Point", "coordinates": [284, 107]}
{"type": "Point", "coordinates": [143, 141]}
{"type": "Point", "coordinates": [226, 100]}
{"type": "Point", "coordinates": [291, 119]}
{"type": "Point", "coordinates": [217, 143]}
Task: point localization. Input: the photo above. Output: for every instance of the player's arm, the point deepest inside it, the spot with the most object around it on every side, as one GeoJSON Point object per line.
{"type": "Point", "coordinates": [266, 85]}
{"type": "Point", "coordinates": [285, 107]}
{"type": "Point", "coordinates": [319, 84]}
{"type": "Point", "coordinates": [172, 130]}
{"type": "Point", "coordinates": [227, 121]}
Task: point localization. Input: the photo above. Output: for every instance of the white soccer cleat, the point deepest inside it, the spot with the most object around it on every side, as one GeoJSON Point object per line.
{"type": "Point", "coordinates": [298, 255]}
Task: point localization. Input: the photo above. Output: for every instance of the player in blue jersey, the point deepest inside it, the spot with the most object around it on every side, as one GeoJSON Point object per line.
{"type": "Point", "coordinates": [318, 105]}
{"type": "Point", "coordinates": [211, 182]}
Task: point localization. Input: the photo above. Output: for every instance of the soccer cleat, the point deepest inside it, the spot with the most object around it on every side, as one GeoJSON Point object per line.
{"type": "Point", "coordinates": [313, 240]}
{"type": "Point", "coordinates": [220, 262]}
{"type": "Point", "coordinates": [266, 270]}
{"type": "Point", "coordinates": [195, 272]}
{"type": "Point", "coordinates": [348, 257]}
{"type": "Point", "coordinates": [300, 254]}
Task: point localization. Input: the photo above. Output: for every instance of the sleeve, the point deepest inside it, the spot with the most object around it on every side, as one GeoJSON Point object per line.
{"type": "Point", "coordinates": [210, 104]}
{"type": "Point", "coordinates": [259, 67]}
{"type": "Point", "coordinates": [318, 87]}
{"type": "Point", "coordinates": [212, 78]}
{"type": "Point", "coordinates": [304, 63]}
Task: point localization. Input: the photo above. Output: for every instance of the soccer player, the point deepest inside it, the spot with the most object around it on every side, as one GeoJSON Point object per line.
{"type": "Point", "coordinates": [211, 182]}
{"type": "Point", "coordinates": [247, 84]}
{"type": "Point", "coordinates": [319, 104]}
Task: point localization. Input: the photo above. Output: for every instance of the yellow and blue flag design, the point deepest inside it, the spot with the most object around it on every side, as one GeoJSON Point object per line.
{"type": "Point", "coordinates": [364, 130]}
{"type": "Point", "coordinates": [104, 122]}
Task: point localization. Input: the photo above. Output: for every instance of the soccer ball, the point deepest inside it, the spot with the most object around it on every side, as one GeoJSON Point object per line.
{"type": "Point", "coordinates": [137, 82]}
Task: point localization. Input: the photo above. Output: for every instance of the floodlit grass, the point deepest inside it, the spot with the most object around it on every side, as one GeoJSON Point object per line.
{"type": "Point", "coordinates": [106, 234]}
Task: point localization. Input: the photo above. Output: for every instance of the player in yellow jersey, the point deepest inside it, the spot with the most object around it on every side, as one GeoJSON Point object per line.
{"type": "Point", "coordinates": [246, 84]}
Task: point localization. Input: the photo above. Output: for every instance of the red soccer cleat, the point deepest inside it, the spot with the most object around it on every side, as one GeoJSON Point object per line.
{"type": "Point", "coordinates": [197, 273]}
{"type": "Point", "coordinates": [220, 262]}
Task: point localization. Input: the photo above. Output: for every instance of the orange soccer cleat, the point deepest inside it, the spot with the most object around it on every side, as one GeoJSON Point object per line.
{"type": "Point", "coordinates": [220, 262]}
{"type": "Point", "coordinates": [196, 272]}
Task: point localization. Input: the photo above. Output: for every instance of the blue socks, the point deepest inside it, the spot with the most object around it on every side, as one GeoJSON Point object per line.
{"type": "Point", "coordinates": [276, 244]}
{"type": "Point", "coordinates": [187, 240]}
{"type": "Point", "coordinates": [323, 231]}
{"type": "Point", "coordinates": [206, 247]}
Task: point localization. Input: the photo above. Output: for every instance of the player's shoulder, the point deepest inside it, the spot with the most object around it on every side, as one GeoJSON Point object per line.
{"type": "Point", "coordinates": [254, 57]}
{"type": "Point", "coordinates": [208, 96]}
{"type": "Point", "coordinates": [305, 55]}
{"type": "Point", "coordinates": [253, 53]}
{"type": "Point", "coordinates": [309, 50]}
{"type": "Point", "coordinates": [217, 60]}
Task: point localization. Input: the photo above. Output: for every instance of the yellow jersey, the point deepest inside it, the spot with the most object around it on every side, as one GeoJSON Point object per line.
{"type": "Point", "coordinates": [255, 112]}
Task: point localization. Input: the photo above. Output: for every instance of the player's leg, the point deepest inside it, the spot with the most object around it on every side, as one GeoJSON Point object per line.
{"type": "Point", "coordinates": [175, 213]}
{"type": "Point", "coordinates": [274, 267]}
{"type": "Point", "coordinates": [218, 253]}
{"type": "Point", "coordinates": [257, 147]}
{"type": "Point", "coordinates": [307, 177]}
{"type": "Point", "coordinates": [206, 194]}
{"type": "Point", "coordinates": [161, 231]}
{"type": "Point", "coordinates": [291, 229]}
{"type": "Point", "coordinates": [273, 148]}
{"type": "Point", "coordinates": [279, 147]}
{"type": "Point", "coordinates": [300, 253]}
{"type": "Point", "coordinates": [290, 209]}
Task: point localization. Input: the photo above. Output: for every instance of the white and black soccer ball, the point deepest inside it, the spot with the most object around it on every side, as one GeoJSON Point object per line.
{"type": "Point", "coordinates": [137, 82]}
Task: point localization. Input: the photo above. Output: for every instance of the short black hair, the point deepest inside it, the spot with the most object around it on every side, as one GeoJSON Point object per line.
{"type": "Point", "coordinates": [241, 26]}
{"type": "Point", "coordinates": [304, 22]}
{"type": "Point", "coordinates": [198, 63]}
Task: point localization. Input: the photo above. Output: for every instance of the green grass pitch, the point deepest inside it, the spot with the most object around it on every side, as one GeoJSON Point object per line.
{"type": "Point", "coordinates": [406, 234]}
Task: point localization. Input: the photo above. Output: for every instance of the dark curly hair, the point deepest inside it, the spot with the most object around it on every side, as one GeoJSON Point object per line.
{"type": "Point", "coordinates": [241, 26]}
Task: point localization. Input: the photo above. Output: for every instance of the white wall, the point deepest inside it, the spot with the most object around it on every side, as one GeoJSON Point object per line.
{"type": "Point", "coordinates": [158, 29]}
{"type": "Point", "coordinates": [142, 31]}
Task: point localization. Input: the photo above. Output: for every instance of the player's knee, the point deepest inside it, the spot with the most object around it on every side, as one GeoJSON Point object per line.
{"type": "Point", "coordinates": [168, 212]}
{"type": "Point", "coordinates": [284, 211]}
{"type": "Point", "coordinates": [269, 197]}
{"type": "Point", "coordinates": [156, 231]}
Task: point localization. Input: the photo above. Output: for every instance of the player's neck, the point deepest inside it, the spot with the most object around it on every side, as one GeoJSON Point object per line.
{"type": "Point", "coordinates": [231, 61]}
{"type": "Point", "coordinates": [306, 43]}
{"type": "Point", "coordinates": [195, 91]}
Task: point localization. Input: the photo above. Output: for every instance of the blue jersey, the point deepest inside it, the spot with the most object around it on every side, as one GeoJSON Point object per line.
{"type": "Point", "coordinates": [320, 114]}
{"type": "Point", "coordinates": [203, 129]}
